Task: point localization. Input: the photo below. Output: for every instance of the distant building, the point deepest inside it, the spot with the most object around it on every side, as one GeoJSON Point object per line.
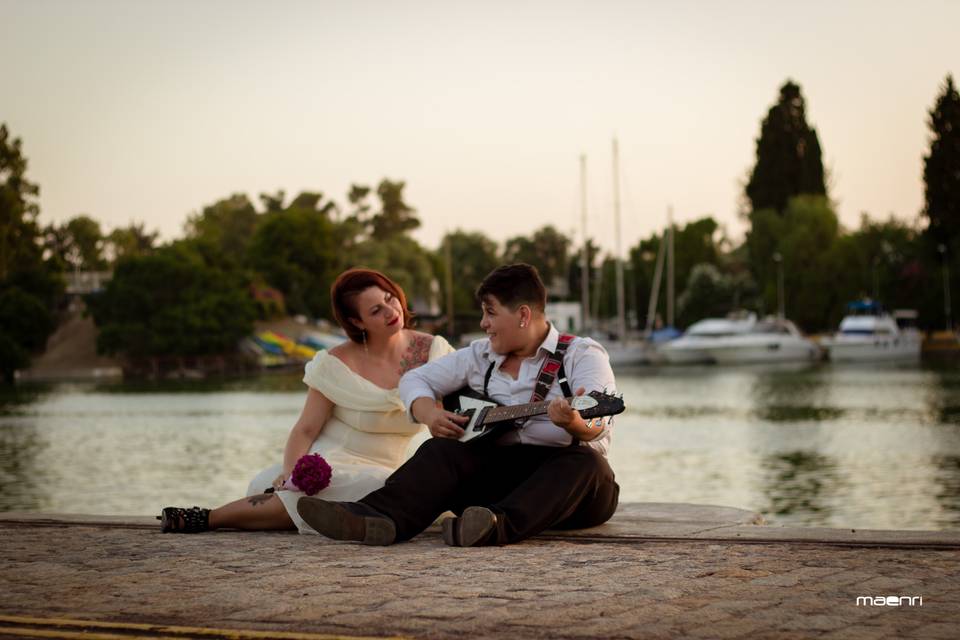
{"type": "Point", "coordinates": [565, 316]}
{"type": "Point", "coordinates": [81, 283]}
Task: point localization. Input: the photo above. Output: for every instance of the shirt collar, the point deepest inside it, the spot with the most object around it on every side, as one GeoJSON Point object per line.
{"type": "Point", "coordinates": [549, 345]}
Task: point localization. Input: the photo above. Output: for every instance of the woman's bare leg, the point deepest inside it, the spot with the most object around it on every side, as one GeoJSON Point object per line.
{"type": "Point", "coordinates": [261, 512]}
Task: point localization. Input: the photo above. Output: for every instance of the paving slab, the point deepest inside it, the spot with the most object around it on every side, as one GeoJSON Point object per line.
{"type": "Point", "coordinates": [656, 570]}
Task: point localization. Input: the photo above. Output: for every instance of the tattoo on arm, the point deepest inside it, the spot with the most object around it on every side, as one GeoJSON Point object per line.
{"type": "Point", "coordinates": [418, 352]}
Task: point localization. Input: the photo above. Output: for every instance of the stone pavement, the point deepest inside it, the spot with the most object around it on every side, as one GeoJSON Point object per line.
{"type": "Point", "coordinates": [654, 571]}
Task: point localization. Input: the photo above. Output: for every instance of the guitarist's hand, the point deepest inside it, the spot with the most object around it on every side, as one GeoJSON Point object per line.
{"type": "Point", "coordinates": [566, 417]}
{"type": "Point", "coordinates": [441, 423]}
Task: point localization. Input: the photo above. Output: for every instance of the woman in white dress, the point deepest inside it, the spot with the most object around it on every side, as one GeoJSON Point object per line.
{"type": "Point", "coordinates": [353, 415]}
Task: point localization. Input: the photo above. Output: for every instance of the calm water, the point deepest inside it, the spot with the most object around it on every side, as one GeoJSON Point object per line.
{"type": "Point", "coordinates": [864, 447]}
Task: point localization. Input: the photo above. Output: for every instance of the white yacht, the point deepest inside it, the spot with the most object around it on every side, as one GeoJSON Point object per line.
{"type": "Point", "coordinates": [691, 347]}
{"type": "Point", "coordinates": [770, 340]}
{"type": "Point", "coordinates": [869, 334]}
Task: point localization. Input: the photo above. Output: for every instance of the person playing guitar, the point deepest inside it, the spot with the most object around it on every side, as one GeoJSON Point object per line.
{"type": "Point", "coordinates": [548, 470]}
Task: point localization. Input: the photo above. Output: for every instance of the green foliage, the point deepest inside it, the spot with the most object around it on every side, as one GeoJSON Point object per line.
{"type": "Point", "coordinates": [696, 243]}
{"type": "Point", "coordinates": [29, 286]}
{"type": "Point", "coordinates": [395, 217]}
{"type": "Point", "coordinates": [546, 249]}
{"type": "Point", "coordinates": [76, 244]}
{"type": "Point", "coordinates": [403, 260]}
{"type": "Point", "coordinates": [26, 322]}
{"type": "Point", "coordinates": [788, 155]}
{"type": "Point", "coordinates": [130, 241]}
{"type": "Point", "coordinates": [171, 303]}
{"type": "Point", "coordinates": [224, 229]}
{"type": "Point", "coordinates": [941, 167]}
{"type": "Point", "coordinates": [708, 294]}
{"type": "Point", "coordinates": [295, 250]}
{"type": "Point", "coordinates": [807, 234]}
{"type": "Point", "coordinates": [474, 255]}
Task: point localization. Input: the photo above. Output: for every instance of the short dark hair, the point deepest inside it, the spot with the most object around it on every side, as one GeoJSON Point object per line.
{"type": "Point", "coordinates": [514, 285]}
{"type": "Point", "coordinates": [348, 285]}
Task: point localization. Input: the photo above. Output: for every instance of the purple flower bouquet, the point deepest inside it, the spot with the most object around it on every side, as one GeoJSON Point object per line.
{"type": "Point", "coordinates": [311, 474]}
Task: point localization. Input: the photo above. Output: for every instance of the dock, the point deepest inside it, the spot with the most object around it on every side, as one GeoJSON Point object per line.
{"type": "Point", "coordinates": [656, 570]}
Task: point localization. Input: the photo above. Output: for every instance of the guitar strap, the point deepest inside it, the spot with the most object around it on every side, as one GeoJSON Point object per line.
{"type": "Point", "coordinates": [551, 368]}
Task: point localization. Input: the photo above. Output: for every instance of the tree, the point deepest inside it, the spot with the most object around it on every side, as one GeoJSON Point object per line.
{"type": "Point", "coordinates": [941, 167]}
{"type": "Point", "coordinates": [171, 303]}
{"type": "Point", "coordinates": [474, 255]}
{"type": "Point", "coordinates": [404, 261]}
{"type": "Point", "coordinates": [817, 268]}
{"type": "Point", "coordinates": [395, 216]}
{"type": "Point", "coordinates": [708, 294]}
{"type": "Point", "coordinates": [77, 244]}
{"type": "Point", "coordinates": [127, 242]}
{"type": "Point", "coordinates": [224, 229]}
{"type": "Point", "coordinates": [273, 202]}
{"type": "Point", "coordinates": [295, 251]}
{"type": "Point", "coordinates": [788, 155]}
{"type": "Point", "coordinates": [695, 243]}
{"type": "Point", "coordinates": [29, 286]}
{"type": "Point", "coordinates": [546, 250]}
{"type": "Point", "coordinates": [26, 323]}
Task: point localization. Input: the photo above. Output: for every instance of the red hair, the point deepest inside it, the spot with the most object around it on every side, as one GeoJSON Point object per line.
{"type": "Point", "coordinates": [348, 285]}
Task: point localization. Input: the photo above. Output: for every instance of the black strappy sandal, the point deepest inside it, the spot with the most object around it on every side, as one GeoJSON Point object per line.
{"type": "Point", "coordinates": [179, 520]}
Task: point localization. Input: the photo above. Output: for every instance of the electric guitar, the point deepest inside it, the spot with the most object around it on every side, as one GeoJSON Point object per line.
{"type": "Point", "coordinates": [488, 417]}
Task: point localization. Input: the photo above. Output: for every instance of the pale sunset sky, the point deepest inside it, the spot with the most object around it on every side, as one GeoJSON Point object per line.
{"type": "Point", "coordinates": [147, 111]}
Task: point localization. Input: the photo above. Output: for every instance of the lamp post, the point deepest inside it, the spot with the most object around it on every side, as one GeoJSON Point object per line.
{"type": "Point", "coordinates": [946, 286]}
{"type": "Point", "coordinates": [780, 302]}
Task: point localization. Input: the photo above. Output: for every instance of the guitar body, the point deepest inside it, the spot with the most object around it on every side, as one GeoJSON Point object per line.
{"type": "Point", "coordinates": [487, 417]}
{"type": "Point", "coordinates": [467, 402]}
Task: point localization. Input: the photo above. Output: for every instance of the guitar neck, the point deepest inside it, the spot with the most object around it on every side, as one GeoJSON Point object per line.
{"type": "Point", "coordinates": [515, 412]}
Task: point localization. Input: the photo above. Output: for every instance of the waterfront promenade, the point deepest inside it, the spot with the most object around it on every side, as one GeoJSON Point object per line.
{"type": "Point", "coordinates": [654, 571]}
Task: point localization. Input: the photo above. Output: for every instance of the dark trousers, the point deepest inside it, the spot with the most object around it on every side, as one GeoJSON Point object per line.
{"type": "Point", "coordinates": [530, 488]}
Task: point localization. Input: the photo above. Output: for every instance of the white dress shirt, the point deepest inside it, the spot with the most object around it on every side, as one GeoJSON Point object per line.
{"type": "Point", "coordinates": [586, 364]}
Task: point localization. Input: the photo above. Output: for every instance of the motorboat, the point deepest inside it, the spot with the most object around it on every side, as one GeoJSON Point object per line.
{"type": "Point", "coordinates": [691, 347]}
{"type": "Point", "coordinates": [869, 334]}
{"type": "Point", "coordinates": [769, 340]}
{"type": "Point", "coordinates": [636, 352]}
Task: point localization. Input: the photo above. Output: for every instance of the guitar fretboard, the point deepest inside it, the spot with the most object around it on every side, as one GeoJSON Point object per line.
{"type": "Point", "coordinates": [515, 412]}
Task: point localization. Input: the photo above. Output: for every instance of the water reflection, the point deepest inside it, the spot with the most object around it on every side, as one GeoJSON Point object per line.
{"type": "Point", "coordinates": [948, 495]}
{"type": "Point", "coordinates": [793, 394]}
{"type": "Point", "coordinates": [15, 399]}
{"type": "Point", "coordinates": [943, 395]}
{"type": "Point", "coordinates": [23, 482]}
{"type": "Point", "coordinates": [801, 484]}
{"type": "Point", "coordinates": [874, 447]}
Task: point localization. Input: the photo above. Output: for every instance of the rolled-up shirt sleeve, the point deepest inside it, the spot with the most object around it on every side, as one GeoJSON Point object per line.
{"type": "Point", "coordinates": [436, 379]}
{"type": "Point", "coordinates": [590, 368]}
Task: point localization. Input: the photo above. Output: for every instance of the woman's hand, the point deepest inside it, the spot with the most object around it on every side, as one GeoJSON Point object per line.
{"type": "Point", "coordinates": [278, 483]}
{"type": "Point", "coordinates": [441, 423]}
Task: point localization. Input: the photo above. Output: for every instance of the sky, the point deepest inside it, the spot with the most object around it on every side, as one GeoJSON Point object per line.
{"type": "Point", "coordinates": [135, 111]}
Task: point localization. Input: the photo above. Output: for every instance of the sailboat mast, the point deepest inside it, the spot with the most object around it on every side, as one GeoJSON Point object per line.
{"type": "Point", "coordinates": [670, 267]}
{"type": "Point", "coordinates": [584, 260]}
{"type": "Point", "coordinates": [621, 313]}
{"type": "Point", "coordinates": [655, 289]}
{"type": "Point", "coordinates": [448, 265]}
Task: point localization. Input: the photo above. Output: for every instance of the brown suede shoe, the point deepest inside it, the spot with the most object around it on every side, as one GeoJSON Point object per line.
{"type": "Point", "coordinates": [347, 521]}
{"type": "Point", "coordinates": [476, 527]}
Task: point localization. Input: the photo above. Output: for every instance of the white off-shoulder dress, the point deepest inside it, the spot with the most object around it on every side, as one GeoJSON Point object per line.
{"type": "Point", "coordinates": [365, 439]}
